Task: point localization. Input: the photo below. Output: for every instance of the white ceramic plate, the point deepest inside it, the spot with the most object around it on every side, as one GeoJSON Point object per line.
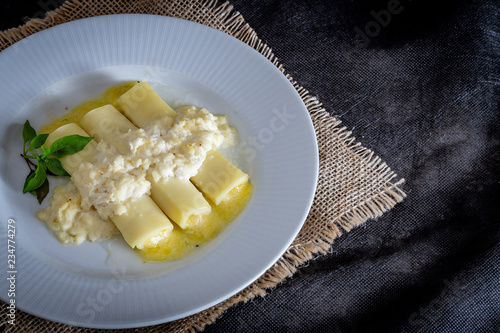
{"type": "Point", "coordinates": [107, 285]}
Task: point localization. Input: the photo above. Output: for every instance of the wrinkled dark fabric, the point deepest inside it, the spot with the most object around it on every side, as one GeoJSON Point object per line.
{"type": "Point", "coordinates": [422, 91]}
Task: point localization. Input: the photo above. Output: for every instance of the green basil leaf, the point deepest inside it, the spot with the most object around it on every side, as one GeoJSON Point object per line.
{"type": "Point", "coordinates": [69, 145]}
{"type": "Point", "coordinates": [35, 180]}
{"type": "Point", "coordinates": [38, 141]}
{"type": "Point", "coordinates": [42, 191]}
{"type": "Point", "coordinates": [45, 152]}
{"type": "Point", "coordinates": [55, 166]}
{"type": "Point", "coordinates": [30, 175]}
{"type": "Point", "coordinates": [29, 132]}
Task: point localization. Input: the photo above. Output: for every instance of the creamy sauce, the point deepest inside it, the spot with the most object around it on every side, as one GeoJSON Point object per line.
{"type": "Point", "coordinates": [200, 229]}
{"type": "Point", "coordinates": [72, 224]}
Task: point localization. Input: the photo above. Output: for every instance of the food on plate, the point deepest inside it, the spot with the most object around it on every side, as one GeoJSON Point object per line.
{"type": "Point", "coordinates": [177, 197]}
{"type": "Point", "coordinates": [112, 193]}
{"type": "Point", "coordinates": [42, 160]}
{"type": "Point", "coordinates": [154, 172]}
{"type": "Point", "coordinates": [216, 176]}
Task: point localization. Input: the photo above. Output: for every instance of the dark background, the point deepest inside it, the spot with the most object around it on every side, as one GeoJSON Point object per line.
{"type": "Point", "coordinates": [422, 92]}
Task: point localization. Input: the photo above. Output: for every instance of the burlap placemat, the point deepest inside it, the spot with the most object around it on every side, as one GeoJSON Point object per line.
{"type": "Point", "coordinates": [353, 185]}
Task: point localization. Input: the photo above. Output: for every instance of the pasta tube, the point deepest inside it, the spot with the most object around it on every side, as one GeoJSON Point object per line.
{"type": "Point", "coordinates": [217, 176]}
{"type": "Point", "coordinates": [143, 98]}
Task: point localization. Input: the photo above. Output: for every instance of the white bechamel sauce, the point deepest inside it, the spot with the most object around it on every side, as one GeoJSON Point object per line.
{"type": "Point", "coordinates": [177, 147]}
{"type": "Point", "coordinates": [70, 222]}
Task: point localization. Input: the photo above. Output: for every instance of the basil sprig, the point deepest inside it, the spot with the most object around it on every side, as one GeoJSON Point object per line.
{"type": "Point", "coordinates": [48, 161]}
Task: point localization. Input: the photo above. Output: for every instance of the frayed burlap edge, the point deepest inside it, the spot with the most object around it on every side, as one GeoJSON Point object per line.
{"type": "Point", "coordinates": [325, 226]}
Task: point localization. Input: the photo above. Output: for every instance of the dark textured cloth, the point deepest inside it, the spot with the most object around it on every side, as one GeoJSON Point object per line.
{"type": "Point", "coordinates": [418, 83]}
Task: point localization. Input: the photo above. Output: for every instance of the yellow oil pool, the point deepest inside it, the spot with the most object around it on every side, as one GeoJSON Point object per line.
{"type": "Point", "coordinates": [200, 229]}
{"type": "Point", "coordinates": [76, 114]}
